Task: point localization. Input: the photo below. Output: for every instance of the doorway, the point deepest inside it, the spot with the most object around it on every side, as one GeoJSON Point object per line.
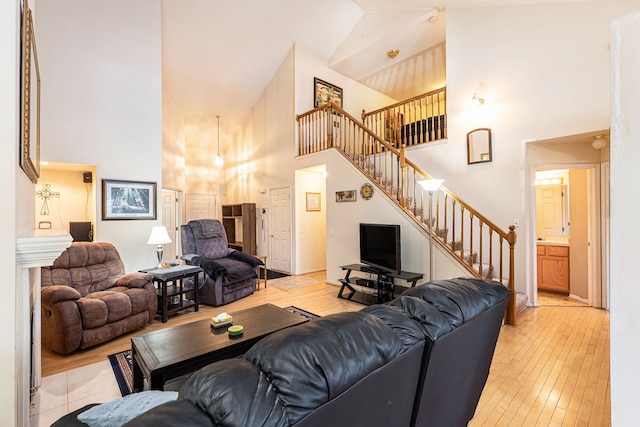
{"type": "Point", "coordinates": [280, 229]}
{"type": "Point", "coordinates": [567, 235]}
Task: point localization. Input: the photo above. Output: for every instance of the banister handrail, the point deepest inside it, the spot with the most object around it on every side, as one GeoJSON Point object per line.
{"type": "Point", "coordinates": [342, 112]}
{"type": "Point", "coordinates": [401, 103]}
{"type": "Point", "coordinates": [475, 241]}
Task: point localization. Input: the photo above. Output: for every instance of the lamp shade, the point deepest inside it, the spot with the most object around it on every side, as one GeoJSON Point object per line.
{"type": "Point", "coordinates": [431, 184]}
{"type": "Point", "coordinates": [159, 236]}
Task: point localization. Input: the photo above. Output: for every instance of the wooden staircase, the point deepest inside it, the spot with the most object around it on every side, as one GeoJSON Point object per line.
{"type": "Point", "coordinates": [482, 248]}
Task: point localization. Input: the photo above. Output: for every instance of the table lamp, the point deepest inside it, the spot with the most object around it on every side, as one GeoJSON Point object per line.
{"type": "Point", "coordinates": [159, 236]}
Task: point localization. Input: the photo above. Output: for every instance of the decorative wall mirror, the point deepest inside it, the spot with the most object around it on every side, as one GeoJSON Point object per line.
{"type": "Point", "coordinates": [479, 146]}
{"type": "Point", "coordinates": [30, 123]}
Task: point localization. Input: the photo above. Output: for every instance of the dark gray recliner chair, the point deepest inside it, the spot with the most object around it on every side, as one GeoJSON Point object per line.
{"type": "Point", "coordinates": [229, 274]}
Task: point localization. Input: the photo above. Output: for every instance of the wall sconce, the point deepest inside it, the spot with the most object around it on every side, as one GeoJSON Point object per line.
{"type": "Point", "coordinates": [477, 99]}
{"type": "Point", "coordinates": [599, 142]}
{"type": "Point", "coordinates": [159, 236]}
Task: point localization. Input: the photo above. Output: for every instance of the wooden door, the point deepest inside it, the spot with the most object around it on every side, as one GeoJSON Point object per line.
{"type": "Point", "coordinates": [280, 230]}
{"type": "Point", "coordinates": [550, 211]}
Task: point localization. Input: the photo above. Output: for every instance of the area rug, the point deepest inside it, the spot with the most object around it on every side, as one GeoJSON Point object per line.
{"type": "Point", "coordinates": [122, 365]}
{"type": "Point", "coordinates": [293, 282]}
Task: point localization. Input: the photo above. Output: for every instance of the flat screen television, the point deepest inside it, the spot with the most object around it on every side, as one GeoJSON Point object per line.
{"type": "Point", "coordinates": [380, 247]}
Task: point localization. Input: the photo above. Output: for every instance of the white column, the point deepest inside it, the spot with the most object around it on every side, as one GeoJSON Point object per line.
{"type": "Point", "coordinates": [33, 250]}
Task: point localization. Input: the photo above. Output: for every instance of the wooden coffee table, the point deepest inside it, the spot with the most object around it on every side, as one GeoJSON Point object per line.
{"type": "Point", "coordinates": [170, 353]}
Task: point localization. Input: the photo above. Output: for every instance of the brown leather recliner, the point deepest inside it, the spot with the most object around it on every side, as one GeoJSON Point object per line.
{"type": "Point", "coordinates": [88, 299]}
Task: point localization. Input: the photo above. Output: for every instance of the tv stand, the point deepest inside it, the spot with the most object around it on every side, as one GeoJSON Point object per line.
{"type": "Point", "coordinates": [383, 287]}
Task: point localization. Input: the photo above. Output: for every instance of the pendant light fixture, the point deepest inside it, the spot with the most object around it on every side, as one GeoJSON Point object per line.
{"type": "Point", "coordinates": [219, 161]}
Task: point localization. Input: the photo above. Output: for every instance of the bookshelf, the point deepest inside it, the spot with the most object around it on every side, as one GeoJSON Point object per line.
{"type": "Point", "coordinates": [239, 221]}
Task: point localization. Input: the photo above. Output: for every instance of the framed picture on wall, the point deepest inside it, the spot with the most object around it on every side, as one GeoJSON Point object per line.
{"type": "Point", "coordinates": [128, 200]}
{"type": "Point", "coordinates": [346, 196]}
{"type": "Point", "coordinates": [30, 94]}
{"type": "Point", "coordinates": [313, 201]}
{"type": "Point", "coordinates": [324, 92]}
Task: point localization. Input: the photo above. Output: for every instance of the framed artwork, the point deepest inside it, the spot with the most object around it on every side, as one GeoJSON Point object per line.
{"type": "Point", "coordinates": [30, 94]}
{"type": "Point", "coordinates": [324, 92]}
{"type": "Point", "coordinates": [128, 200]}
{"type": "Point", "coordinates": [346, 196]}
{"type": "Point", "coordinates": [313, 201]}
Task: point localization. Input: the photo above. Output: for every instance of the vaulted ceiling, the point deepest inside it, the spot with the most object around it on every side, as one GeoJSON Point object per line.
{"type": "Point", "coordinates": [218, 56]}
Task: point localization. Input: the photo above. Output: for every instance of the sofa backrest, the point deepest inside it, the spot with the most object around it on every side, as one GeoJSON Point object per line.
{"type": "Point", "coordinates": [85, 266]}
{"type": "Point", "coordinates": [458, 355]}
{"type": "Point", "coordinates": [204, 237]}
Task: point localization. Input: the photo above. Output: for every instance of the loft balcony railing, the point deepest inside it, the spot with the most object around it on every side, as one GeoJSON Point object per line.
{"type": "Point", "coordinates": [418, 120]}
{"type": "Point", "coordinates": [480, 246]}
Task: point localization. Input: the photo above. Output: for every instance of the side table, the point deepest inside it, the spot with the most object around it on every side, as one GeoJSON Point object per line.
{"type": "Point", "coordinates": [171, 291]}
{"type": "Point", "coordinates": [261, 271]}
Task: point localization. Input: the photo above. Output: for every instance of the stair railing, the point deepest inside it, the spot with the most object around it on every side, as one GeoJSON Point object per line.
{"type": "Point", "coordinates": [414, 121]}
{"type": "Point", "coordinates": [480, 246]}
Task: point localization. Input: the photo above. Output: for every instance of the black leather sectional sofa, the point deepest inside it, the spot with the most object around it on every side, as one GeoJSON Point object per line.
{"type": "Point", "coordinates": [419, 360]}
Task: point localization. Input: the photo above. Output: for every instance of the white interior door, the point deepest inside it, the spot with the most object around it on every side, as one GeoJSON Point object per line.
{"type": "Point", "coordinates": [200, 206]}
{"type": "Point", "coordinates": [280, 230]}
{"type": "Point", "coordinates": [550, 211]}
{"type": "Point", "coordinates": [170, 219]}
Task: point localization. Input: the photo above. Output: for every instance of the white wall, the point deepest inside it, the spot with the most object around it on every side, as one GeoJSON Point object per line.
{"type": "Point", "coordinates": [100, 64]}
{"type": "Point", "coordinates": [173, 145]}
{"type": "Point", "coordinates": [13, 181]}
{"type": "Point", "coordinates": [625, 152]}
{"type": "Point", "coordinates": [544, 72]}
{"type": "Point", "coordinates": [311, 226]}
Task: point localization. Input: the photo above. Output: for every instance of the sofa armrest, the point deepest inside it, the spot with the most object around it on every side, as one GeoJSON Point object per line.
{"type": "Point", "coordinates": [56, 293]}
{"type": "Point", "coordinates": [249, 259]}
{"type": "Point", "coordinates": [134, 280]}
{"type": "Point", "coordinates": [188, 257]}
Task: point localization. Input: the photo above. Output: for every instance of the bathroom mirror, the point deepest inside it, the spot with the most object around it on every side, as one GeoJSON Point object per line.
{"type": "Point", "coordinates": [479, 146]}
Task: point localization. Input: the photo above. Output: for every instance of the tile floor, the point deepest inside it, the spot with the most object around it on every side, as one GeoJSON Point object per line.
{"type": "Point", "coordinates": [70, 390]}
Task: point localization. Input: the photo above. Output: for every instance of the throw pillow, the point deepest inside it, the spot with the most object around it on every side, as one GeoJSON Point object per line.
{"type": "Point", "coordinates": [120, 411]}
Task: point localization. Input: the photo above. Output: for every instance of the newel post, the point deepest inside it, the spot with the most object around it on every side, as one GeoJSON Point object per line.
{"type": "Point", "coordinates": [510, 316]}
{"type": "Point", "coordinates": [402, 161]}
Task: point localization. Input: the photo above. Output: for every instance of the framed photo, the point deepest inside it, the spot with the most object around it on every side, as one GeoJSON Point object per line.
{"type": "Point", "coordinates": [128, 200]}
{"type": "Point", "coordinates": [346, 196]}
{"type": "Point", "coordinates": [324, 92]}
{"type": "Point", "coordinates": [313, 201]}
{"type": "Point", "coordinates": [30, 94]}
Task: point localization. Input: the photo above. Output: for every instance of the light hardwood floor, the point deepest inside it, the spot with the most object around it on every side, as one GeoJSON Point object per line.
{"type": "Point", "coordinates": [552, 369]}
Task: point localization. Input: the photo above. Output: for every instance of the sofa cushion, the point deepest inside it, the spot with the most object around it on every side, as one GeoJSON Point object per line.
{"type": "Point", "coordinates": [93, 312]}
{"type": "Point", "coordinates": [85, 266]}
{"type": "Point", "coordinates": [333, 352]}
{"type": "Point", "coordinates": [227, 391]}
{"type": "Point", "coordinates": [138, 298]}
{"type": "Point", "coordinates": [460, 300]}
{"type": "Point", "coordinates": [118, 304]}
{"type": "Point", "coordinates": [210, 238]}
